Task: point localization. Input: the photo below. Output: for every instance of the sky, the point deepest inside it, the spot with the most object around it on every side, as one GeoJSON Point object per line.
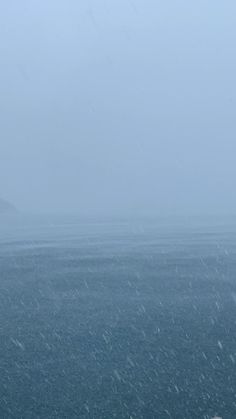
{"type": "Point", "coordinates": [118, 106]}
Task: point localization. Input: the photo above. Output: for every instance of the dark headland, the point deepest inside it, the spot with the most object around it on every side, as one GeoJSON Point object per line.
{"type": "Point", "coordinates": [6, 207]}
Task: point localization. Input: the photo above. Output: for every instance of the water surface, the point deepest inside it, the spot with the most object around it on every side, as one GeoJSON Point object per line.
{"type": "Point", "coordinates": [117, 319]}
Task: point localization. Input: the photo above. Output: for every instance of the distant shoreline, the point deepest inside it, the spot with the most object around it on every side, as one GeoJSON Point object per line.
{"type": "Point", "coordinates": [7, 207]}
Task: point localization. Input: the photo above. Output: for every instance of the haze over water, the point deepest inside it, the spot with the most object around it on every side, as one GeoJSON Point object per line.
{"type": "Point", "coordinates": [118, 108]}
{"type": "Point", "coordinates": [121, 115]}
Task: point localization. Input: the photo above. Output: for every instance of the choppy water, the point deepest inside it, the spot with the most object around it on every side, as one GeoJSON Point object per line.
{"type": "Point", "coordinates": [117, 320]}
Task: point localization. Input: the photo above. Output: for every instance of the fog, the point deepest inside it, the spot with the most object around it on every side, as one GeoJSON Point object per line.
{"type": "Point", "coordinates": [118, 107]}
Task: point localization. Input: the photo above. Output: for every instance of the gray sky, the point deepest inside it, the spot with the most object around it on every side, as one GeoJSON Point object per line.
{"type": "Point", "coordinates": [118, 106]}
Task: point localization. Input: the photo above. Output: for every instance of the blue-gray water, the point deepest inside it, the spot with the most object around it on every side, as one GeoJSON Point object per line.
{"type": "Point", "coordinates": [117, 319]}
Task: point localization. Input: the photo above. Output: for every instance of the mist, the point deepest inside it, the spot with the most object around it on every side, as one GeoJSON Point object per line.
{"type": "Point", "coordinates": [123, 107]}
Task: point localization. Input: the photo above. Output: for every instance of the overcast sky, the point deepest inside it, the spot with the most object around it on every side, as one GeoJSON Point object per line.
{"type": "Point", "coordinates": [118, 106]}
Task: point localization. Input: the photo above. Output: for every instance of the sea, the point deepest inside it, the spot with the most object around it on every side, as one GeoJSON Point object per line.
{"type": "Point", "coordinates": [117, 318]}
